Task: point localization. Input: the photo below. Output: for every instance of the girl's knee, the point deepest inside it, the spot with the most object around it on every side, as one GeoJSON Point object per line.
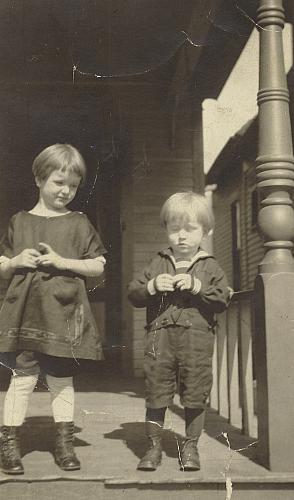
{"type": "Point", "coordinates": [26, 383]}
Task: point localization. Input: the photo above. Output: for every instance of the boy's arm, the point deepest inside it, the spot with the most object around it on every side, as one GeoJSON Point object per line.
{"type": "Point", "coordinates": [214, 290]}
{"type": "Point", "coordinates": [216, 293]}
{"type": "Point", "coordinates": [210, 289]}
{"type": "Point", "coordinates": [141, 290]}
{"type": "Point", "coordinates": [138, 290]}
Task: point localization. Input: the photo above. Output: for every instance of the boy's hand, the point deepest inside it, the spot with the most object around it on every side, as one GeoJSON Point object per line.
{"type": "Point", "coordinates": [27, 259]}
{"type": "Point", "coordinates": [183, 281]}
{"type": "Point", "coordinates": [164, 283]}
{"type": "Point", "coordinates": [50, 258]}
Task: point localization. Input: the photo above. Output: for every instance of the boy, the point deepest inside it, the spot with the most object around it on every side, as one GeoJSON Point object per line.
{"type": "Point", "coordinates": [182, 288]}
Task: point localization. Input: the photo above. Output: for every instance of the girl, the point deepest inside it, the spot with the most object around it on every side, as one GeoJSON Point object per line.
{"type": "Point", "coordinates": [45, 320]}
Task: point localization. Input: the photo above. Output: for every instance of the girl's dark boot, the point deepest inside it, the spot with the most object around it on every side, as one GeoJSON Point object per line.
{"type": "Point", "coordinates": [189, 459]}
{"type": "Point", "coordinates": [152, 458]}
{"type": "Point", "coordinates": [10, 450]}
{"type": "Point", "coordinates": [65, 455]}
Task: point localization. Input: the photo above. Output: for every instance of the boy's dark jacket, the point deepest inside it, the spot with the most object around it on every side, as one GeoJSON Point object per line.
{"type": "Point", "coordinates": [182, 308]}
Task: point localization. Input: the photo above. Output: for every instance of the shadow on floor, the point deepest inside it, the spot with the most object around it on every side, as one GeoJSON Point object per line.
{"type": "Point", "coordinates": [38, 434]}
{"type": "Point", "coordinates": [219, 429]}
{"type": "Point", "coordinates": [133, 435]}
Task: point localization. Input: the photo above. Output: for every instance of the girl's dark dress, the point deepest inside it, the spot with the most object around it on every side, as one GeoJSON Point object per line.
{"type": "Point", "coordinates": [46, 310]}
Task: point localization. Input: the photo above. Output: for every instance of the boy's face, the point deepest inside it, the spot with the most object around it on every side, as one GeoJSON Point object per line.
{"type": "Point", "coordinates": [59, 189]}
{"type": "Point", "coordinates": [185, 237]}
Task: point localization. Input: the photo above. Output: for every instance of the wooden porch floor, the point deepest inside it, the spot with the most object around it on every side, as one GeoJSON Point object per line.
{"type": "Point", "coordinates": [110, 439]}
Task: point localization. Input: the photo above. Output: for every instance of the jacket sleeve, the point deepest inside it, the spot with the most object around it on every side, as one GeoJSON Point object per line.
{"type": "Point", "coordinates": [137, 290]}
{"type": "Point", "coordinates": [215, 291]}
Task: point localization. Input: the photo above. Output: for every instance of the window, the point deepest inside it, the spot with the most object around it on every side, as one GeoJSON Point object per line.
{"type": "Point", "coordinates": [236, 244]}
{"type": "Point", "coordinates": [255, 206]}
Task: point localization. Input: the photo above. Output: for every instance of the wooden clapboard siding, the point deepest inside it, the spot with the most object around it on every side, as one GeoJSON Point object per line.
{"type": "Point", "coordinates": [228, 192]}
{"type": "Point", "coordinates": [222, 239]}
{"type": "Point", "coordinates": [155, 172]}
{"type": "Point", "coordinates": [252, 240]}
{"type": "Point", "coordinates": [232, 187]}
{"type": "Point", "coordinates": [244, 228]}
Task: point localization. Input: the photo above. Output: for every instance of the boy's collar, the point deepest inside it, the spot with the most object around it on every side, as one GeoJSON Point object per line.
{"type": "Point", "coordinates": [201, 254]}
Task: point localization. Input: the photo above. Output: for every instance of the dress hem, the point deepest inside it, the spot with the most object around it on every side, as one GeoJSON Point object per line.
{"type": "Point", "coordinates": [60, 351]}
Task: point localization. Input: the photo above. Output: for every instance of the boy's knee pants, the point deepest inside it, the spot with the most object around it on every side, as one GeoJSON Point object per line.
{"type": "Point", "coordinates": [178, 356]}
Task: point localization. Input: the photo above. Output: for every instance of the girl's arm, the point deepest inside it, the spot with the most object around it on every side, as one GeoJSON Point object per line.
{"type": "Point", "coordinates": [5, 267]}
{"type": "Point", "coordinates": [85, 267]}
{"type": "Point", "coordinates": [27, 259]}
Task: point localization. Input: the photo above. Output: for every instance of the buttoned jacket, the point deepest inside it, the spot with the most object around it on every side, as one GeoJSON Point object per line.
{"type": "Point", "coordinates": [182, 308]}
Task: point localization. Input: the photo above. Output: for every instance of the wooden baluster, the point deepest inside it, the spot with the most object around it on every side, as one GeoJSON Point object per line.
{"type": "Point", "coordinates": [235, 417]}
{"type": "Point", "coordinates": [222, 366]}
{"type": "Point", "coordinates": [213, 398]}
{"type": "Point", "coordinates": [274, 286]}
{"type": "Point", "coordinates": [248, 419]}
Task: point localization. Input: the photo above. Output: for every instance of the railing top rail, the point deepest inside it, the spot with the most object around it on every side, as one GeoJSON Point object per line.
{"type": "Point", "coordinates": [243, 294]}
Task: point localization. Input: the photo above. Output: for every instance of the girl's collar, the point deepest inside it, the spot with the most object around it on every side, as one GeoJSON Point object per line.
{"type": "Point", "coordinates": [48, 216]}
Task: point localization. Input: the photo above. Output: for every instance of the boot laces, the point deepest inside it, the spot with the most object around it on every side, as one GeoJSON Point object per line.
{"type": "Point", "coordinates": [10, 448]}
{"type": "Point", "coordinates": [189, 447]}
{"type": "Point", "coordinates": [66, 449]}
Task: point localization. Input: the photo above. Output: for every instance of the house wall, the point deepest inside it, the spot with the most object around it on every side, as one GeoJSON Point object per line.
{"type": "Point", "coordinates": [156, 170]}
{"type": "Point", "coordinates": [252, 245]}
{"type": "Point", "coordinates": [227, 192]}
{"type": "Point", "coordinates": [237, 185]}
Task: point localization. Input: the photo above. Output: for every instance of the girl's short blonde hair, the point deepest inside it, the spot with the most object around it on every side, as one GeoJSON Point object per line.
{"type": "Point", "coordinates": [181, 207]}
{"type": "Point", "coordinates": [59, 157]}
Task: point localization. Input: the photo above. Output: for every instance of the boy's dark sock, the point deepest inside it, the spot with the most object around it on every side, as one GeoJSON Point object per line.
{"type": "Point", "coordinates": [194, 419]}
{"type": "Point", "coordinates": [155, 415]}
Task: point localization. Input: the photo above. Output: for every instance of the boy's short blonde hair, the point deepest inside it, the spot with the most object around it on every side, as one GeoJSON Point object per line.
{"type": "Point", "coordinates": [59, 157]}
{"type": "Point", "coordinates": [181, 207]}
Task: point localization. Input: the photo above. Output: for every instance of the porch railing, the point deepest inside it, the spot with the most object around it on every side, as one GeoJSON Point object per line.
{"type": "Point", "coordinates": [234, 386]}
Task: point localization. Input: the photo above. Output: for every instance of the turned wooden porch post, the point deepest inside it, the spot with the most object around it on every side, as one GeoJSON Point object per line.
{"type": "Point", "coordinates": [274, 286]}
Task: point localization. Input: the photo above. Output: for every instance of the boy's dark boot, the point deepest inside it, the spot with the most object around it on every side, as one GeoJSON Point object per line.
{"type": "Point", "coordinates": [65, 455]}
{"type": "Point", "coordinates": [152, 458]}
{"type": "Point", "coordinates": [10, 450]}
{"type": "Point", "coordinates": [189, 459]}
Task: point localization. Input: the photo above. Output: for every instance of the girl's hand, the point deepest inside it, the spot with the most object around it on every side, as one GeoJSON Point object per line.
{"type": "Point", "coordinates": [164, 283]}
{"type": "Point", "coordinates": [183, 281]}
{"type": "Point", "coordinates": [28, 259]}
{"type": "Point", "coordinates": [49, 258]}
{"type": "Point", "coordinates": [3, 259]}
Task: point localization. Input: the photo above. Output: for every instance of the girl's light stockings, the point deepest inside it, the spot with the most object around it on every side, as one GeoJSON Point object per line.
{"type": "Point", "coordinates": [62, 398]}
{"type": "Point", "coordinates": [22, 386]}
{"type": "Point", "coordinates": [17, 398]}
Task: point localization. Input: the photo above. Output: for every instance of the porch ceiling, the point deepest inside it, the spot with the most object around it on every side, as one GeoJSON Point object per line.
{"type": "Point", "coordinates": [41, 42]}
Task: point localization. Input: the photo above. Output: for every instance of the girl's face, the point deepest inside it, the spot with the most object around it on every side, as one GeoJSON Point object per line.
{"type": "Point", "coordinates": [184, 237]}
{"type": "Point", "coordinates": [59, 189]}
